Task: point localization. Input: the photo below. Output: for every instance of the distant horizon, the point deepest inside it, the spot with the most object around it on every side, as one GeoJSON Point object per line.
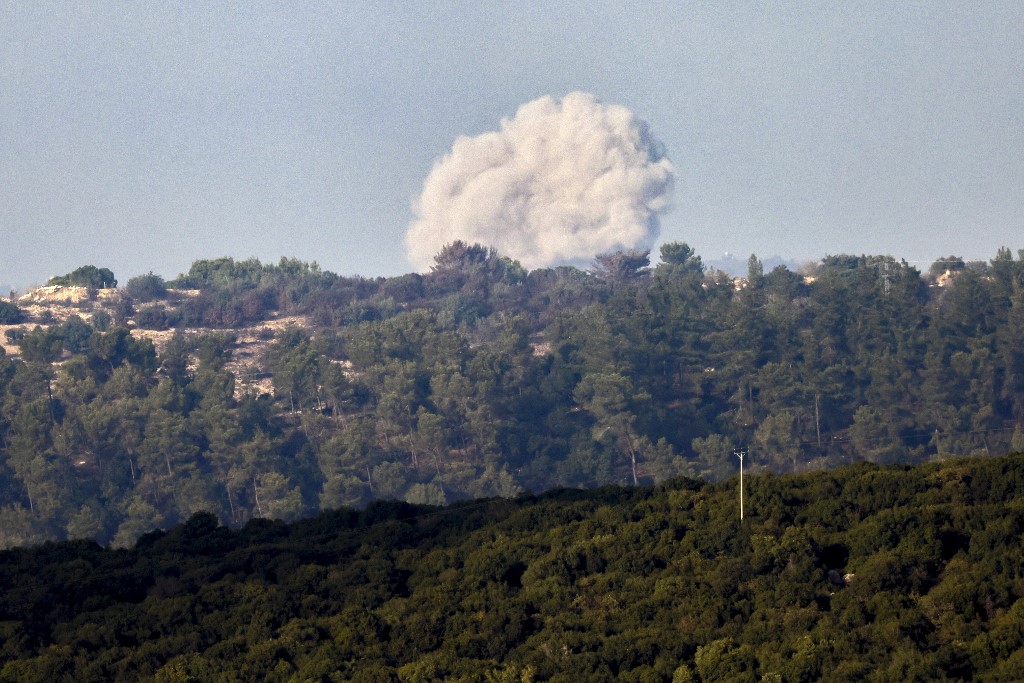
{"type": "Point", "coordinates": [732, 263]}
{"type": "Point", "coordinates": [145, 137]}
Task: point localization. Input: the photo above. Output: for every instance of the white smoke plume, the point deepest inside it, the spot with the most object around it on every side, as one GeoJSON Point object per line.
{"type": "Point", "coordinates": [561, 182]}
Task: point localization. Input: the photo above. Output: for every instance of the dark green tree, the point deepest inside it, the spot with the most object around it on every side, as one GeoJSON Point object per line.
{"type": "Point", "coordinates": [86, 276]}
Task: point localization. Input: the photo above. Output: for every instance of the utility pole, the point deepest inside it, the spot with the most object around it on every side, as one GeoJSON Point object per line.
{"type": "Point", "coordinates": [739, 454]}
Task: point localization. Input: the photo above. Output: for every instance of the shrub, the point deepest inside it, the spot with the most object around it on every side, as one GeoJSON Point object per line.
{"type": "Point", "coordinates": [87, 276]}
{"type": "Point", "coordinates": [10, 314]}
{"type": "Point", "coordinates": [154, 317]}
{"type": "Point", "coordinates": [146, 288]}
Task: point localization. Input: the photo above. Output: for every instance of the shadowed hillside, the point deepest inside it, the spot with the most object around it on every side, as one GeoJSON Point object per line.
{"type": "Point", "coordinates": [865, 573]}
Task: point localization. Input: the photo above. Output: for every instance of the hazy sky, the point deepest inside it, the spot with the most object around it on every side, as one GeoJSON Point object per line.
{"type": "Point", "coordinates": [142, 136]}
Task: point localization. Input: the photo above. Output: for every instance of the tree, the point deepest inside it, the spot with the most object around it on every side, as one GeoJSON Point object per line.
{"type": "Point", "coordinates": [426, 494]}
{"type": "Point", "coordinates": [277, 500]}
{"type": "Point", "coordinates": [86, 276]}
{"type": "Point", "coordinates": [21, 527]}
{"type": "Point", "coordinates": [140, 516]}
{"type": "Point", "coordinates": [76, 334]}
{"type": "Point", "coordinates": [117, 347]}
{"type": "Point", "coordinates": [725, 660]}
{"type": "Point", "coordinates": [42, 346]}
{"type": "Point", "coordinates": [167, 456]}
{"type": "Point", "coordinates": [1011, 349]}
{"type": "Point", "coordinates": [112, 433]}
{"type": "Point", "coordinates": [715, 455]}
{"type": "Point", "coordinates": [777, 439]}
{"type": "Point", "coordinates": [258, 458]}
{"type": "Point", "coordinates": [88, 522]}
{"type": "Point", "coordinates": [875, 436]}
{"type": "Point", "coordinates": [459, 255]}
{"type": "Point", "coordinates": [101, 321]}
{"type": "Point", "coordinates": [174, 360]}
{"type": "Point", "coordinates": [471, 278]}
{"type": "Point", "coordinates": [607, 397]}
{"type": "Point", "coordinates": [155, 317]}
{"type": "Point", "coordinates": [681, 257]}
{"type": "Point", "coordinates": [432, 436]}
{"type": "Point", "coordinates": [622, 266]}
{"type": "Point", "coordinates": [146, 288]}
{"type": "Point", "coordinates": [755, 271]}
{"type": "Point", "coordinates": [294, 361]}
{"type": "Point", "coordinates": [10, 314]}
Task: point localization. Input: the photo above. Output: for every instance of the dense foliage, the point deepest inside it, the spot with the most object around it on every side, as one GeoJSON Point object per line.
{"type": "Point", "coordinates": [86, 276]}
{"type": "Point", "coordinates": [10, 314]}
{"type": "Point", "coordinates": [864, 573]}
{"type": "Point", "coordinates": [480, 379]}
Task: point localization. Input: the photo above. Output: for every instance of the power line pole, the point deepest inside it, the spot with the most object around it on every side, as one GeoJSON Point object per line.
{"type": "Point", "coordinates": [739, 454]}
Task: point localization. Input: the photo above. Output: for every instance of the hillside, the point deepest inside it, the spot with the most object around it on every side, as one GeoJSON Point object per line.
{"type": "Point", "coordinates": [864, 573]}
{"type": "Point", "coordinates": [53, 305]}
{"type": "Point", "coordinates": [276, 390]}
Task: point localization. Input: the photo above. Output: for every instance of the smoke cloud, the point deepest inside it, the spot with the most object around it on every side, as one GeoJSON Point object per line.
{"type": "Point", "coordinates": [560, 182]}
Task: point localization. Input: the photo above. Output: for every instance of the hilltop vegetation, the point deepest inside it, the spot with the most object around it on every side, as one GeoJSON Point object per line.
{"type": "Point", "coordinates": [481, 379]}
{"type": "Point", "coordinates": [864, 573]}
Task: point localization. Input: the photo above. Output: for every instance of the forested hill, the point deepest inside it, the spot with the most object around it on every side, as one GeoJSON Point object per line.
{"type": "Point", "coordinates": [865, 573]}
{"type": "Point", "coordinates": [277, 390]}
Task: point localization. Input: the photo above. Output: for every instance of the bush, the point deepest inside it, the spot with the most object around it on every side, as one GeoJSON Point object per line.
{"type": "Point", "coordinates": [101, 320]}
{"type": "Point", "coordinates": [76, 334]}
{"type": "Point", "coordinates": [154, 317]}
{"type": "Point", "coordinates": [146, 288]}
{"type": "Point", "coordinates": [10, 314]}
{"type": "Point", "coordinates": [87, 276]}
{"type": "Point", "coordinates": [123, 309]}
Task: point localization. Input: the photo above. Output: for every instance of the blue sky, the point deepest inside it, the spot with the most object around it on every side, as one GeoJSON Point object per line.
{"type": "Point", "coordinates": [143, 136]}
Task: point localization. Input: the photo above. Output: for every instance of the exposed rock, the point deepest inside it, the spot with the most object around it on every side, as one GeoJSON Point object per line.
{"type": "Point", "coordinates": [54, 304]}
